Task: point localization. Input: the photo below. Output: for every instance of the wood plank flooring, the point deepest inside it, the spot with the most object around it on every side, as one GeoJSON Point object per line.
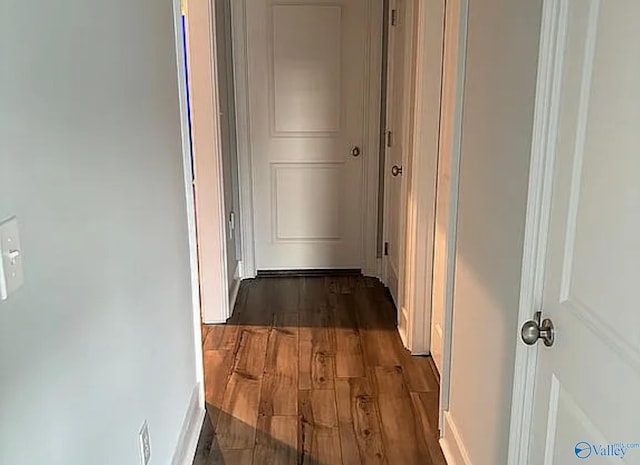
{"type": "Point", "coordinates": [311, 371]}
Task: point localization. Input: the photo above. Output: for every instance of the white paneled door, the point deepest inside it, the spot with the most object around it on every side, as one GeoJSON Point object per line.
{"type": "Point", "coordinates": [587, 387]}
{"type": "Point", "coordinates": [399, 62]}
{"type": "Point", "coordinates": [307, 63]}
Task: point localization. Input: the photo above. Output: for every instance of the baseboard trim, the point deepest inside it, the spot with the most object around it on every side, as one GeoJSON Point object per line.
{"type": "Point", "coordinates": [452, 447]}
{"type": "Point", "coordinates": [190, 431]}
{"type": "Point", "coordinates": [304, 273]}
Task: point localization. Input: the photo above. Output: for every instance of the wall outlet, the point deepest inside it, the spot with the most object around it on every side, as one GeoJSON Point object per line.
{"type": "Point", "coordinates": [145, 444]}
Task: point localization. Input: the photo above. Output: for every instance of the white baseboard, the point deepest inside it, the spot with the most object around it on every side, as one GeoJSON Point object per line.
{"type": "Point", "coordinates": [190, 432]}
{"type": "Point", "coordinates": [452, 447]}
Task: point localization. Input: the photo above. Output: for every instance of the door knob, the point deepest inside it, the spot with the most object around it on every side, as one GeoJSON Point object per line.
{"type": "Point", "coordinates": [396, 170]}
{"type": "Point", "coordinates": [533, 330]}
{"type": "Point", "coordinates": [355, 151]}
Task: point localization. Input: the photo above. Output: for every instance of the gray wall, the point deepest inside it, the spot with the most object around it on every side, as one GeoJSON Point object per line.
{"type": "Point", "coordinates": [496, 143]}
{"type": "Point", "coordinates": [100, 338]}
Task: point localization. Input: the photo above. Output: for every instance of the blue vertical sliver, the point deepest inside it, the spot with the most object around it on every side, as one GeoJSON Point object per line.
{"type": "Point", "coordinates": [186, 83]}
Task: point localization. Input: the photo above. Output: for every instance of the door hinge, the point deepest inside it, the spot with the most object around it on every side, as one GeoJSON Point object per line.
{"type": "Point", "coordinates": [386, 248]}
{"type": "Point", "coordinates": [389, 138]}
{"type": "Point", "coordinates": [394, 17]}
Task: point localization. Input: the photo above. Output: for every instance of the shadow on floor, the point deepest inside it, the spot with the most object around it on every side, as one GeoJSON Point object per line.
{"type": "Point", "coordinates": [326, 301]}
{"type": "Point", "coordinates": [274, 440]}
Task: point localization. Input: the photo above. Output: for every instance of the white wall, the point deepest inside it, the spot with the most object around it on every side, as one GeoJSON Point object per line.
{"type": "Point", "coordinates": [101, 336]}
{"type": "Point", "coordinates": [497, 126]}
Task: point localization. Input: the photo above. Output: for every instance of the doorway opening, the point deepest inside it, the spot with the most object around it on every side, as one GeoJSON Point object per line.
{"type": "Point", "coordinates": [306, 255]}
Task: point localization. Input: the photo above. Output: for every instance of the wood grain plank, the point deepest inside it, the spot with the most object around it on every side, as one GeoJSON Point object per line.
{"type": "Point", "coordinates": [425, 405]}
{"type": "Point", "coordinates": [280, 384]}
{"type": "Point", "coordinates": [276, 443]}
{"type": "Point", "coordinates": [236, 426]}
{"type": "Point", "coordinates": [339, 284]}
{"type": "Point", "coordinates": [403, 442]}
{"type": "Point", "coordinates": [349, 356]}
{"type": "Point", "coordinates": [318, 407]}
{"type": "Point", "coordinates": [358, 413]}
{"type": "Point", "coordinates": [418, 373]}
{"type": "Point", "coordinates": [252, 347]}
{"type": "Point", "coordinates": [316, 367]}
{"type": "Point", "coordinates": [349, 445]}
{"type": "Point", "coordinates": [231, 457]}
{"type": "Point", "coordinates": [282, 350]}
{"type": "Point", "coordinates": [380, 340]}
{"type": "Point", "coordinates": [255, 310]}
{"type": "Point", "coordinates": [317, 347]}
{"type": "Point", "coordinates": [212, 337]}
{"type": "Point", "coordinates": [230, 337]}
{"type": "Point", "coordinates": [318, 432]}
{"type": "Point", "coordinates": [279, 395]}
{"type": "Point", "coordinates": [217, 369]}
{"type": "Point", "coordinates": [321, 447]}
{"type": "Point", "coordinates": [284, 295]}
{"type": "Point", "coordinates": [348, 441]}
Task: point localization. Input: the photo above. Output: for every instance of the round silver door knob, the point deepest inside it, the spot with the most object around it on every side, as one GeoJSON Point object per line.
{"type": "Point", "coordinates": [530, 332]}
{"type": "Point", "coordinates": [396, 170]}
{"type": "Point", "coordinates": [534, 330]}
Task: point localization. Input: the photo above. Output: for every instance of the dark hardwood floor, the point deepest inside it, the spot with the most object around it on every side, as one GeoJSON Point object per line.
{"type": "Point", "coordinates": [311, 371]}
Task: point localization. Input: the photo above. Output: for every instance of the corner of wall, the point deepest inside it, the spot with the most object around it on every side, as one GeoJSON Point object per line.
{"type": "Point", "coordinates": [451, 443]}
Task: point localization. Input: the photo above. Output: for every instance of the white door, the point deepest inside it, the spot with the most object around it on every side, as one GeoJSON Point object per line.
{"type": "Point", "coordinates": [399, 60]}
{"type": "Point", "coordinates": [307, 65]}
{"type": "Point", "coordinates": [587, 389]}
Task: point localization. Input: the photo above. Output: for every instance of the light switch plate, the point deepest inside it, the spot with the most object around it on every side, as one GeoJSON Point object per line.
{"type": "Point", "coordinates": [11, 273]}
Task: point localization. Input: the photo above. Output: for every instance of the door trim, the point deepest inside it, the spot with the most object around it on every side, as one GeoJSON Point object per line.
{"type": "Point", "coordinates": [420, 222]}
{"type": "Point", "coordinates": [416, 273]}
{"type": "Point", "coordinates": [550, 63]}
{"type": "Point", "coordinates": [243, 132]}
{"type": "Point", "coordinates": [371, 140]}
{"type": "Point", "coordinates": [207, 162]}
{"type": "Point", "coordinates": [180, 24]}
{"type": "Point", "coordinates": [459, 18]}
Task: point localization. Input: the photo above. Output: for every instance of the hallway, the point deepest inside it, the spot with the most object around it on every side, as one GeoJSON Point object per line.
{"type": "Point", "coordinates": [312, 371]}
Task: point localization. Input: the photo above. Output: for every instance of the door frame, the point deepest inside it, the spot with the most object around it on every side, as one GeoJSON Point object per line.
{"type": "Point", "coordinates": [421, 189]}
{"type": "Point", "coordinates": [207, 178]}
{"type": "Point", "coordinates": [370, 149]}
{"type": "Point", "coordinates": [188, 439]}
{"type": "Point", "coordinates": [416, 272]}
{"type": "Point", "coordinates": [549, 77]}
{"type": "Point", "coordinates": [408, 109]}
{"type": "Point", "coordinates": [453, 75]}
